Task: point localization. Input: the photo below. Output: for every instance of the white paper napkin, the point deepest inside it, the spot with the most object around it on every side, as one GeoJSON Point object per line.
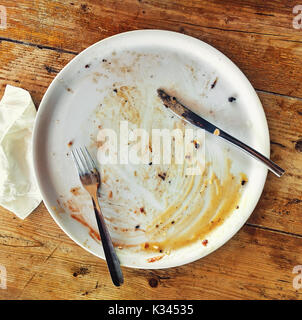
{"type": "Point", "coordinates": [18, 189]}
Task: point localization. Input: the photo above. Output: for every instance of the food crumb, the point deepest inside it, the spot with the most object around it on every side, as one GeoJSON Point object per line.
{"type": "Point", "coordinates": [216, 132]}
{"type": "Point", "coordinates": [243, 182]}
{"type": "Point", "coordinates": [70, 143]}
{"type": "Point", "coordinates": [205, 242]}
{"type": "Point", "coordinates": [214, 83]}
{"type": "Point", "coordinates": [155, 258]}
{"type": "Point", "coordinates": [75, 191]}
{"type": "Point", "coordinates": [162, 176]}
{"type": "Point", "coordinates": [142, 210]}
{"type": "Point", "coordinates": [231, 99]}
{"type": "Point", "coordinates": [196, 144]}
{"type": "Point", "coordinates": [110, 194]}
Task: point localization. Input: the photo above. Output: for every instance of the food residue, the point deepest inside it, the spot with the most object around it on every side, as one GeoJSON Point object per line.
{"type": "Point", "coordinates": [155, 258]}
{"type": "Point", "coordinates": [214, 83]}
{"type": "Point", "coordinates": [205, 242]}
{"type": "Point", "coordinates": [93, 233]}
{"type": "Point", "coordinates": [216, 132]}
{"type": "Point", "coordinates": [75, 191]}
{"type": "Point", "coordinates": [162, 176]}
{"type": "Point", "coordinates": [244, 179]}
{"type": "Point", "coordinates": [196, 144]}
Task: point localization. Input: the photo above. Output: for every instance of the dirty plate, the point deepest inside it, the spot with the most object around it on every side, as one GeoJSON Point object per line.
{"type": "Point", "coordinates": [159, 216]}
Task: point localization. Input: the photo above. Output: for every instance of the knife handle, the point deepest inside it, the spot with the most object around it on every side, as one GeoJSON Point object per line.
{"type": "Point", "coordinates": [255, 154]}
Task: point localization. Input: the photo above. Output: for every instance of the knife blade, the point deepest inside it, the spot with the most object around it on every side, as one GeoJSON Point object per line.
{"type": "Point", "coordinates": [186, 114]}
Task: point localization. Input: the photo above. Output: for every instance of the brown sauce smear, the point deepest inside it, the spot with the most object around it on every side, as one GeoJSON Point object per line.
{"type": "Point", "coordinates": [94, 234]}
{"type": "Point", "coordinates": [203, 217]}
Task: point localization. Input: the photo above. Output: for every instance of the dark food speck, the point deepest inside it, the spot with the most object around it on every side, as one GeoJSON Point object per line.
{"type": "Point", "coordinates": [196, 144]}
{"type": "Point", "coordinates": [231, 99]}
{"type": "Point", "coordinates": [162, 176]}
{"type": "Point", "coordinates": [214, 83]}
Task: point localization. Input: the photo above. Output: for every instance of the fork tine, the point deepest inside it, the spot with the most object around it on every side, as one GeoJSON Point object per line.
{"type": "Point", "coordinates": [90, 159]}
{"type": "Point", "coordinates": [76, 161]}
{"type": "Point", "coordinates": [83, 160]}
{"type": "Point", "coordinates": [86, 162]}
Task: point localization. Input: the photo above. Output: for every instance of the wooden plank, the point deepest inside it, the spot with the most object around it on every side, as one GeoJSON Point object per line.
{"type": "Point", "coordinates": [47, 20]}
{"type": "Point", "coordinates": [281, 203]}
{"type": "Point", "coordinates": [256, 35]}
{"type": "Point", "coordinates": [29, 67]}
{"type": "Point", "coordinates": [279, 208]}
{"type": "Point", "coordinates": [42, 263]}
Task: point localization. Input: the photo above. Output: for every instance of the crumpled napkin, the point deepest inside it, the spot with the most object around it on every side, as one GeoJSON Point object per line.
{"type": "Point", "coordinates": [19, 192]}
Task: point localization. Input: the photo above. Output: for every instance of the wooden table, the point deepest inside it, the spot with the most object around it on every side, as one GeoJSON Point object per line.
{"type": "Point", "coordinates": [259, 36]}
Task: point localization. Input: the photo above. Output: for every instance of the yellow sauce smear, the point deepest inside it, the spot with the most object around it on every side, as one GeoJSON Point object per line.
{"type": "Point", "coordinates": [202, 218]}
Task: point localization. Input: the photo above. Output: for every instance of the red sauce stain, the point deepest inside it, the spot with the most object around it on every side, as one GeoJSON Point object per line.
{"type": "Point", "coordinates": [205, 242]}
{"type": "Point", "coordinates": [155, 258]}
{"type": "Point", "coordinates": [94, 234]}
{"type": "Point", "coordinates": [75, 191]}
{"type": "Point", "coordinates": [69, 204]}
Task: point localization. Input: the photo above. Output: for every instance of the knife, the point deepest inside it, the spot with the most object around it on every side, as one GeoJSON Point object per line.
{"type": "Point", "coordinates": [186, 114]}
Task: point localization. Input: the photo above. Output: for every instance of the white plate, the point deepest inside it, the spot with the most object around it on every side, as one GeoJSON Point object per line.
{"type": "Point", "coordinates": [71, 110]}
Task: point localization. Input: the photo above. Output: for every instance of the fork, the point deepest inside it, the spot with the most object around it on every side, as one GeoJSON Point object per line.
{"type": "Point", "coordinates": [90, 178]}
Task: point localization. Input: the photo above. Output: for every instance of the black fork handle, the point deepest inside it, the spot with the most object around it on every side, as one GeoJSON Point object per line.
{"type": "Point", "coordinates": [110, 254]}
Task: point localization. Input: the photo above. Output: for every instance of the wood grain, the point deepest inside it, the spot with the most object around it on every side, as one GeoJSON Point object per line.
{"type": "Point", "coordinates": [43, 263]}
{"type": "Point", "coordinates": [266, 49]}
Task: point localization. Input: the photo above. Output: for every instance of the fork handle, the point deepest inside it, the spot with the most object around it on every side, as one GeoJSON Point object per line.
{"type": "Point", "coordinates": [110, 254]}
